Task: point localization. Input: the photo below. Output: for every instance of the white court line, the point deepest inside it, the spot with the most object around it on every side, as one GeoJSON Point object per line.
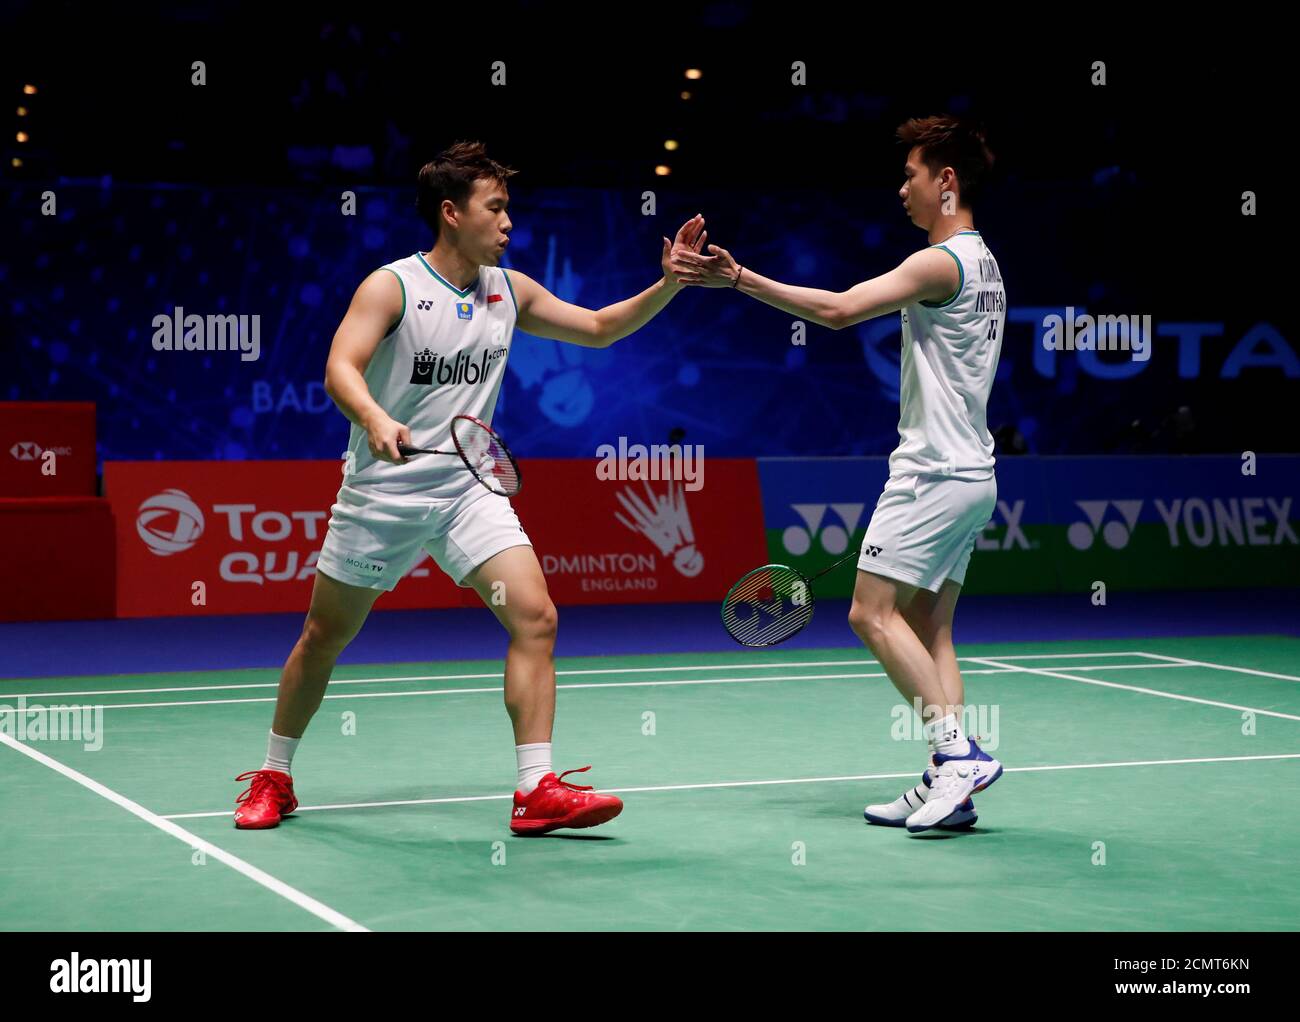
{"type": "Point", "coordinates": [756, 784]}
{"type": "Point", "coordinates": [461, 691]}
{"type": "Point", "coordinates": [497, 674]}
{"type": "Point", "coordinates": [499, 688]}
{"type": "Point", "coordinates": [992, 662]}
{"type": "Point", "coordinates": [1183, 662]}
{"type": "Point", "coordinates": [303, 901]}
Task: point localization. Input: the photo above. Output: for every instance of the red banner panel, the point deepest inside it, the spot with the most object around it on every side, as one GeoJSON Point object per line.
{"type": "Point", "coordinates": [250, 532]}
{"type": "Point", "coordinates": [59, 564]}
{"type": "Point", "coordinates": [47, 449]}
{"type": "Point", "coordinates": [642, 541]}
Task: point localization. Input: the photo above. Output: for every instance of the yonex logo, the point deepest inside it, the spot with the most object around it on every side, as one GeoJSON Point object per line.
{"type": "Point", "coordinates": [1013, 537]}
{"type": "Point", "coordinates": [169, 523]}
{"type": "Point", "coordinates": [872, 551]}
{"type": "Point", "coordinates": [424, 303]}
{"type": "Point", "coordinates": [26, 450]}
{"type": "Point", "coordinates": [834, 538]}
{"type": "Point", "coordinates": [520, 810]}
{"type": "Point", "coordinates": [1116, 534]}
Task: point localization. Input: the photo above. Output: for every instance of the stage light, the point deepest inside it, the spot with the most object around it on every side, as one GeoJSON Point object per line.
{"type": "Point", "coordinates": [30, 90]}
{"type": "Point", "coordinates": [22, 111]}
{"type": "Point", "coordinates": [670, 144]}
{"type": "Point", "coordinates": [694, 73]}
{"type": "Point", "coordinates": [16, 162]}
{"type": "Point", "coordinates": [21, 136]}
{"type": "Point", "coordinates": [686, 95]}
{"type": "Point", "coordinates": [663, 170]}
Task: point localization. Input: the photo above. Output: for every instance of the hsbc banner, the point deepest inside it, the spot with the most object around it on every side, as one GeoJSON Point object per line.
{"type": "Point", "coordinates": [1061, 524]}
{"type": "Point", "coordinates": [47, 449]}
{"type": "Point", "coordinates": [250, 532]}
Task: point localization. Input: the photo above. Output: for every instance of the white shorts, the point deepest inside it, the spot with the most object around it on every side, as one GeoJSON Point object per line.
{"type": "Point", "coordinates": [924, 528]}
{"type": "Point", "coordinates": [374, 539]}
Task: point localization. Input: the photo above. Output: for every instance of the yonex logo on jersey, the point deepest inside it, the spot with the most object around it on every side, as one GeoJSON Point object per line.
{"type": "Point", "coordinates": [464, 310]}
{"type": "Point", "coordinates": [429, 369]}
{"type": "Point", "coordinates": [873, 551]}
{"type": "Point", "coordinates": [424, 303]}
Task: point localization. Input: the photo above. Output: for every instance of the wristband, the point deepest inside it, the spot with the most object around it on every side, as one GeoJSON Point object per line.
{"type": "Point", "coordinates": [738, 273]}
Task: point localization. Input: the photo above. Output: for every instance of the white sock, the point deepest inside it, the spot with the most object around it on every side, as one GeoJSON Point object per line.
{"type": "Point", "coordinates": [945, 736]}
{"type": "Point", "coordinates": [534, 764]}
{"type": "Point", "coordinates": [279, 752]}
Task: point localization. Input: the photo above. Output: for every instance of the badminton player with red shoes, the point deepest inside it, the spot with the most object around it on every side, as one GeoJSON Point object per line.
{"type": "Point", "coordinates": [941, 489]}
{"type": "Point", "coordinates": [416, 363]}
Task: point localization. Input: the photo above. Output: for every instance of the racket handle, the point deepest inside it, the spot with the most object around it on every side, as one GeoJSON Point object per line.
{"type": "Point", "coordinates": [403, 450]}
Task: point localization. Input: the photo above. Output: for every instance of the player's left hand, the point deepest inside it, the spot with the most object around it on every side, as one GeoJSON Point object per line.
{"type": "Point", "coordinates": [690, 238]}
{"type": "Point", "coordinates": [716, 270]}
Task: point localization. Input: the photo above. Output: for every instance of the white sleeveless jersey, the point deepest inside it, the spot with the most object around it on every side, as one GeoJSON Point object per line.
{"type": "Point", "coordinates": [949, 358]}
{"type": "Point", "coordinates": [445, 357]}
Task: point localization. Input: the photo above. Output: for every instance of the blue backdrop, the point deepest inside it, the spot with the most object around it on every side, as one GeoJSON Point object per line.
{"type": "Point", "coordinates": [80, 290]}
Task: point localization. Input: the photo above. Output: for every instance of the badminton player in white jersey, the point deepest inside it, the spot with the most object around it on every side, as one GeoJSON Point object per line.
{"type": "Point", "coordinates": [941, 489]}
{"type": "Point", "coordinates": [426, 338]}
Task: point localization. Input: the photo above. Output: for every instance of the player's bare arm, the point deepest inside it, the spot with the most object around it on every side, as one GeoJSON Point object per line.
{"type": "Point", "coordinates": [544, 315]}
{"type": "Point", "coordinates": [928, 275]}
{"type": "Point", "coordinates": [375, 308]}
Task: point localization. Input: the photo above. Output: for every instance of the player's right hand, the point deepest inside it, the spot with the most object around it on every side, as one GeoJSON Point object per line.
{"type": "Point", "coordinates": [383, 434]}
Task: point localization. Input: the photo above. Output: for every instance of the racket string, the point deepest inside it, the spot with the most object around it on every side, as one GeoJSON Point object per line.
{"type": "Point", "coordinates": [767, 606]}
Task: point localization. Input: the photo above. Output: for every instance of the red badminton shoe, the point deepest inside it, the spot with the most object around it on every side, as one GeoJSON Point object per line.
{"type": "Point", "coordinates": [556, 803]}
{"type": "Point", "coordinates": [269, 799]}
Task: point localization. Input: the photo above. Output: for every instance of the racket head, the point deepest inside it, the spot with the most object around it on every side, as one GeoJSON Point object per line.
{"type": "Point", "coordinates": [486, 455]}
{"type": "Point", "coordinates": [768, 605]}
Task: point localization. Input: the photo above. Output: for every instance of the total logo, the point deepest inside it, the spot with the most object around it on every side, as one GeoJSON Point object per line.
{"type": "Point", "coordinates": [171, 523]}
{"type": "Point", "coordinates": [834, 538]}
{"type": "Point", "coordinates": [1231, 521]}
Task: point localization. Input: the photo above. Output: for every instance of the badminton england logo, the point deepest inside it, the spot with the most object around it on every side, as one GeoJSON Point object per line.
{"type": "Point", "coordinates": [169, 523]}
{"type": "Point", "coordinates": [666, 522]}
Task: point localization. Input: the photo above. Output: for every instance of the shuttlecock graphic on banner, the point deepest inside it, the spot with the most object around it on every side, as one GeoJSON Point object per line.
{"type": "Point", "coordinates": [666, 522]}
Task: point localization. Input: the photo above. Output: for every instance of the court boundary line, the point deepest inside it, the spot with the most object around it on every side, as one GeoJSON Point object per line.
{"type": "Point", "coordinates": [260, 876]}
{"type": "Point", "coordinates": [566, 672]}
{"type": "Point", "coordinates": [1044, 672]}
{"type": "Point", "coordinates": [462, 691]}
{"type": "Point", "coordinates": [1183, 661]}
{"type": "Point", "coordinates": [702, 786]}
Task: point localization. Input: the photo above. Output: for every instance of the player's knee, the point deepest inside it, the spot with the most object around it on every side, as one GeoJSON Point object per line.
{"type": "Point", "coordinates": [322, 635]}
{"type": "Point", "coordinates": [537, 622]}
{"type": "Point", "coordinates": [868, 623]}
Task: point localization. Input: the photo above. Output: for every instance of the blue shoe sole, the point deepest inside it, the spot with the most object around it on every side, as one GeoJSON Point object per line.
{"type": "Point", "coordinates": [880, 821]}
